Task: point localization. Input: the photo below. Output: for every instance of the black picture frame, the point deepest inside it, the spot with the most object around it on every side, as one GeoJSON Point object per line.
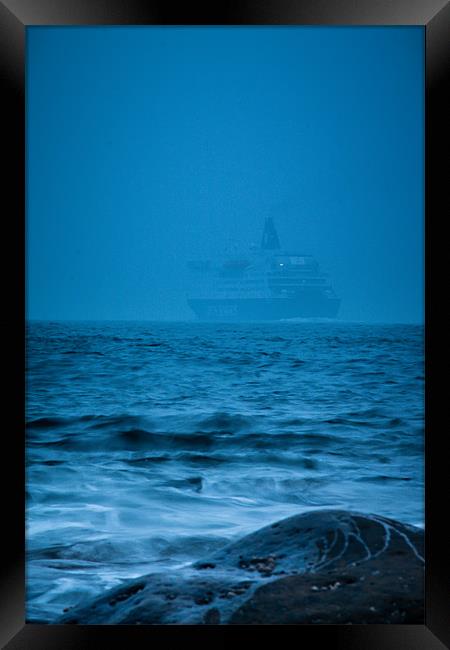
{"type": "Point", "coordinates": [15, 16]}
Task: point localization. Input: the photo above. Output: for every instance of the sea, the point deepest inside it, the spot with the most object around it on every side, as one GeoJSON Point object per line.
{"type": "Point", "coordinates": [151, 444]}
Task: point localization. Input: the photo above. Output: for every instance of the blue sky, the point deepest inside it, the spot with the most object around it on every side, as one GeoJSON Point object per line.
{"type": "Point", "coordinates": [149, 146]}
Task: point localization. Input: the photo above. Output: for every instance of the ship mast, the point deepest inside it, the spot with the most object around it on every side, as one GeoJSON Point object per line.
{"type": "Point", "coordinates": [270, 239]}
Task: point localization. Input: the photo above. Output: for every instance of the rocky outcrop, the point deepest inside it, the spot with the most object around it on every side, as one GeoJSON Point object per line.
{"type": "Point", "coordinates": [325, 566]}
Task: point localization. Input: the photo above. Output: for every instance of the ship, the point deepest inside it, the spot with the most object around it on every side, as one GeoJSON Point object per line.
{"type": "Point", "coordinates": [267, 284]}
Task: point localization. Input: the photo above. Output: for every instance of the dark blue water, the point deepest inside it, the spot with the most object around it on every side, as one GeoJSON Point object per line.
{"type": "Point", "coordinates": [150, 444]}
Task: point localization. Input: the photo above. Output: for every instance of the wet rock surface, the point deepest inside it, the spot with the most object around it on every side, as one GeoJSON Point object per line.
{"type": "Point", "coordinates": [318, 567]}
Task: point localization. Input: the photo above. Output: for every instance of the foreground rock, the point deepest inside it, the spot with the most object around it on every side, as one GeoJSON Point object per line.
{"type": "Point", "coordinates": [320, 567]}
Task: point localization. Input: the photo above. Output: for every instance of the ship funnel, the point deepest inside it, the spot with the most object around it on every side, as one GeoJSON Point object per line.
{"type": "Point", "coordinates": [270, 239]}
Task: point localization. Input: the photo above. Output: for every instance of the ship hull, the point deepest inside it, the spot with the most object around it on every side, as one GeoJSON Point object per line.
{"type": "Point", "coordinates": [270, 309]}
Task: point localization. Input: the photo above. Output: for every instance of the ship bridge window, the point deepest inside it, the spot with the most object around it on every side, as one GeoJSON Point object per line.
{"type": "Point", "coordinates": [294, 260]}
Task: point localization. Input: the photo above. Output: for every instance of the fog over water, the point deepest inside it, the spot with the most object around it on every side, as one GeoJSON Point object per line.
{"type": "Point", "coordinates": [147, 147]}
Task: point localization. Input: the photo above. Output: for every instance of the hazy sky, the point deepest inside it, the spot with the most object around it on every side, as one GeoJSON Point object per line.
{"type": "Point", "coordinates": [150, 146]}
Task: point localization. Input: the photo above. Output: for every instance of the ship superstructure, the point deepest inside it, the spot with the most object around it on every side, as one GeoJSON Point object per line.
{"type": "Point", "coordinates": [266, 284]}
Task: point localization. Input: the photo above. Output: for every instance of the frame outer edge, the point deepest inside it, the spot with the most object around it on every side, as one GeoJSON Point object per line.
{"type": "Point", "coordinates": [436, 256]}
{"type": "Point", "coordinates": [12, 76]}
{"type": "Point", "coordinates": [12, 38]}
{"type": "Point", "coordinates": [231, 12]}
